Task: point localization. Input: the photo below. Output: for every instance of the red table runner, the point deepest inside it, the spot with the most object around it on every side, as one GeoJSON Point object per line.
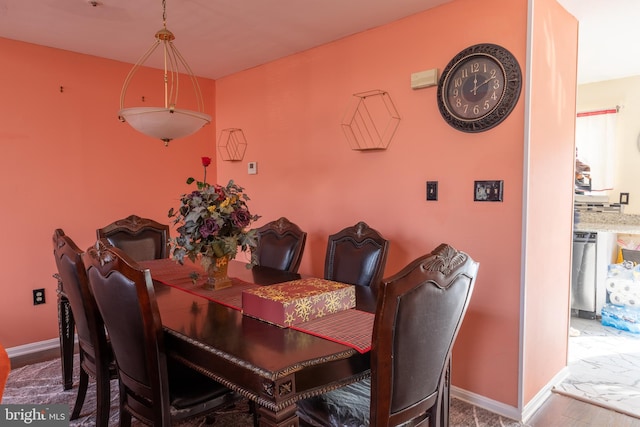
{"type": "Point", "coordinates": [175, 275]}
{"type": "Point", "coordinates": [351, 327]}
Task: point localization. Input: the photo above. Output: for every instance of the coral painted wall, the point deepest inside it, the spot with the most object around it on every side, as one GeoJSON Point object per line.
{"type": "Point", "coordinates": [549, 187]}
{"type": "Point", "coordinates": [290, 112]}
{"type": "Point", "coordinates": [67, 162]}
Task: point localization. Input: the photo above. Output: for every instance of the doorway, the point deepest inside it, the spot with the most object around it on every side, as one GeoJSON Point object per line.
{"type": "Point", "coordinates": [602, 359]}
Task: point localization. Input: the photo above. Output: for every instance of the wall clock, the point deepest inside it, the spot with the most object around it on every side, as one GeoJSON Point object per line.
{"type": "Point", "coordinates": [479, 87]}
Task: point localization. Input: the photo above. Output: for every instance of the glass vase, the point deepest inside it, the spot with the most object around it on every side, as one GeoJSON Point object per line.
{"type": "Point", "coordinates": [217, 277]}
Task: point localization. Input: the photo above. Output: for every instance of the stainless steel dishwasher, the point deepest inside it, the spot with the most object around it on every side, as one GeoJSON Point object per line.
{"type": "Point", "coordinates": [583, 274]}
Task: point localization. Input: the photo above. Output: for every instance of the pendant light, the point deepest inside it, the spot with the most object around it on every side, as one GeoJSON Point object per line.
{"type": "Point", "coordinates": [167, 122]}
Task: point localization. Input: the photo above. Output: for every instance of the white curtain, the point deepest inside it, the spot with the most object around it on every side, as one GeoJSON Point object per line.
{"type": "Point", "coordinates": [595, 143]}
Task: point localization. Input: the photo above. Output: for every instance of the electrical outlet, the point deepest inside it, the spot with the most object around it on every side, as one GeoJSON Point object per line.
{"type": "Point", "coordinates": [624, 198]}
{"type": "Point", "coordinates": [38, 296]}
{"type": "Point", "coordinates": [432, 190]}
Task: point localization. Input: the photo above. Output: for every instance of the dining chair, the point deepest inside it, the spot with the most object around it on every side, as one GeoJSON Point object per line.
{"type": "Point", "coordinates": [142, 239]}
{"type": "Point", "coordinates": [5, 368]}
{"type": "Point", "coordinates": [280, 245]}
{"type": "Point", "coordinates": [418, 315]}
{"type": "Point", "coordinates": [96, 358]}
{"type": "Point", "coordinates": [154, 388]}
{"type": "Point", "coordinates": [356, 255]}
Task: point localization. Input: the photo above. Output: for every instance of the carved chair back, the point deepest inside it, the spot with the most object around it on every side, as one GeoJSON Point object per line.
{"type": "Point", "coordinates": [418, 316]}
{"type": "Point", "coordinates": [356, 255]}
{"type": "Point", "coordinates": [140, 238]}
{"type": "Point", "coordinates": [280, 245]}
{"type": "Point", "coordinates": [153, 388]}
{"type": "Point", "coordinates": [96, 358]}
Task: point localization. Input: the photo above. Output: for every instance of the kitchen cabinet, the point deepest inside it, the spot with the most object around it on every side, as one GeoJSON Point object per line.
{"type": "Point", "coordinates": [607, 226]}
{"type": "Point", "coordinates": [592, 254]}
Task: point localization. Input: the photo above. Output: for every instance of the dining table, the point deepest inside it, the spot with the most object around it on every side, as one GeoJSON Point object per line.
{"type": "Point", "coordinates": [272, 365]}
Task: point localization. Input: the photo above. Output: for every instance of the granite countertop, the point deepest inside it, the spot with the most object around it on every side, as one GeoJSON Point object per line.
{"type": "Point", "coordinates": [608, 222]}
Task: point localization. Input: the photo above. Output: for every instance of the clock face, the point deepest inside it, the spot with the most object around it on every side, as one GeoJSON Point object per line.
{"type": "Point", "coordinates": [479, 88]}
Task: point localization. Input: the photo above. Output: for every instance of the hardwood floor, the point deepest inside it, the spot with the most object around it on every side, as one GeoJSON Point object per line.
{"type": "Point", "coordinates": [563, 411]}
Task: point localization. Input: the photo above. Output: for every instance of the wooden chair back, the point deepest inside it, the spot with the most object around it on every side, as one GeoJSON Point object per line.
{"type": "Point", "coordinates": [356, 255]}
{"type": "Point", "coordinates": [141, 238]}
{"type": "Point", "coordinates": [96, 360]}
{"type": "Point", "coordinates": [280, 245]}
{"type": "Point", "coordinates": [126, 299]}
{"type": "Point", "coordinates": [153, 388]}
{"type": "Point", "coordinates": [89, 325]}
{"type": "Point", "coordinates": [418, 316]}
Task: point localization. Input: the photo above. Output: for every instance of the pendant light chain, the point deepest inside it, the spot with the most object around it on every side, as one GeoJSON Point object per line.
{"type": "Point", "coordinates": [164, 13]}
{"type": "Point", "coordinates": [165, 54]}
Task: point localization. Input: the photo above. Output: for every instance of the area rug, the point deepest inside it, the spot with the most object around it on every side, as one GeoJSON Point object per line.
{"type": "Point", "coordinates": [41, 383]}
{"type": "Point", "coordinates": [604, 367]}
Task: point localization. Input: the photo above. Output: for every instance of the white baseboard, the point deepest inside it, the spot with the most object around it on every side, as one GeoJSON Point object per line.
{"type": "Point", "coordinates": [486, 403]}
{"type": "Point", "coordinates": [34, 347]}
{"type": "Point", "coordinates": [537, 401]}
{"type": "Point", "coordinates": [507, 410]}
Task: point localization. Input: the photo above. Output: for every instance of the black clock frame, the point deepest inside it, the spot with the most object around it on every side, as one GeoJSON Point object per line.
{"type": "Point", "coordinates": [513, 86]}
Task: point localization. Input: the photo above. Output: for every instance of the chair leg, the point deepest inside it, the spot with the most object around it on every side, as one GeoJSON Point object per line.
{"type": "Point", "coordinates": [82, 392]}
{"type": "Point", "coordinates": [103, 401]}
{"type": "Point", "coordinates": [125, 418]}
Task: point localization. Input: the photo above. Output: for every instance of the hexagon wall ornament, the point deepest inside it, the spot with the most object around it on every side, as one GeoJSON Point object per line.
{"type": "Point", "coordinates": [232, 144]}
{"type": "Point", "coordinates": [371, 121]}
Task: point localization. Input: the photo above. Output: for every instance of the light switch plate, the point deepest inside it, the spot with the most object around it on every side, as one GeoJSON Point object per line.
{"type": "Point", "coordinates": [488, 191]}
{"type": "Point", "coordinates": [252, 168]}
{"type": "Point", "coordinates": [432, 190]}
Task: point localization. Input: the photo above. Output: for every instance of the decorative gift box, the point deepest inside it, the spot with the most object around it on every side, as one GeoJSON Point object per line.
{"type": "Point", "coordinates": [298, 301]}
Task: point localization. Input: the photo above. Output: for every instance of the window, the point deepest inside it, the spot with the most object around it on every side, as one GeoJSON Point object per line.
{"type": "Point", "coordinates": [595, 146]}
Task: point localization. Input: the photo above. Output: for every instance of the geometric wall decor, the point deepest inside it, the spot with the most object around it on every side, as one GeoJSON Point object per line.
{"type": "Point", "coordinates": [232, 144]}
{"type": "Point", "coordinates": [370, 121]}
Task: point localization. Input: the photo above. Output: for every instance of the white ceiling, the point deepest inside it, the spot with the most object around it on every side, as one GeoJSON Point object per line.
{"type": "Point", "coordinates": [220, 37]}
{"type": "Point", "coordinates": [609, 31]}
{"type": "Point", "coordinates": [216, 37]}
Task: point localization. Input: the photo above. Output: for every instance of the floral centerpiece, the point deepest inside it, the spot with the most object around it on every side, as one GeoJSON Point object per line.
{"type": "Point", "coordinates": [212, 224]}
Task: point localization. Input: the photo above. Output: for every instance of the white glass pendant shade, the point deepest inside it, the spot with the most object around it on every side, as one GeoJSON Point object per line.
{"type": "Point", "coordinates": [166, 122]}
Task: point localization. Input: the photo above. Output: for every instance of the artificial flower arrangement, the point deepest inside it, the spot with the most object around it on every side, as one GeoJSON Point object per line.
{"type": "Point", "coordinates": [213, 221]}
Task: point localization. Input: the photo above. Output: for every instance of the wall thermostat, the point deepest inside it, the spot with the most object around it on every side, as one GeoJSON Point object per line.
{"type": "Point", "coordinates": [252, 168]}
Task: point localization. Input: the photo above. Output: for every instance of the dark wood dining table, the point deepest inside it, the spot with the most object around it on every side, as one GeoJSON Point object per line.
{"type": "Point", "coordinates": [270, 365]}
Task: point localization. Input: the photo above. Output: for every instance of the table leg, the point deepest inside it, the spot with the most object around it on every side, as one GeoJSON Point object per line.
{"type": "Point", "coordinates": [284, 418]}
{"type": "Point", "coordinates": [66, 326]}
